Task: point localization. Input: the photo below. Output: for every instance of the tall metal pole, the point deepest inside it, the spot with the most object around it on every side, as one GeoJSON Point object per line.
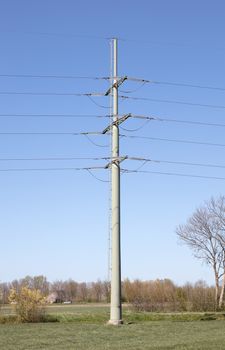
{"type": "Point", "coordinates": [116, 307]}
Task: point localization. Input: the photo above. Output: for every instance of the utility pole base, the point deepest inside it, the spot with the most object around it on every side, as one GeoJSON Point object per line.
{"type": "Point", "coordinates": [115, 322]}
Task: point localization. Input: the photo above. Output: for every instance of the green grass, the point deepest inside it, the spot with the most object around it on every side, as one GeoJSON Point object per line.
{"type": "Point", "coordinates": [84, 328]}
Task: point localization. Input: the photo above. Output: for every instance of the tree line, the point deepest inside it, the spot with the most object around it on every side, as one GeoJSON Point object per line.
{"type": "Point", "coordinates": [156, 296]}
{"type": "Point", "coordinates": [68, 290]}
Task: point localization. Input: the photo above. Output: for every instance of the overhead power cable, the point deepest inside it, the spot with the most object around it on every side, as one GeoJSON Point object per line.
{"type": "Point", "coordinates": [146, 160]}
{"type": "Point", "coordinates": [197, 86]}
{"type": "Point", "coordinates": [49, 93]}
{"type": "Point", "coordinates": [143, 81]}
{"type": "Point", "coordinates": [95, 143]}
{"type": "Point", "coordinates": [51, 169]}
{"type": "Point", "coordinates": [172, 174]}
{"type": "Point", "coordinates": [96, 103]}
{"type": "Point", "coordinates": [54, 34]}
{"type": "Point", "coordinates": [206, 165]}
{"type": "Point", "coordinates": [86, 134]}
{"type": "Point", "coordinates": [55, 115]}
{"type": "Point", "coordinates": [172, 102]}
{"type": "Point", "coordinates": [167, 43]}
{"type": "Point", "coordinates": [89, 169]}
{"type": "Point", "coordinates": [135, 98]}
{"type": "Point", "coordinates": [122, 39]}
{"type": "Point", "coordinates": [54, 158]}
{"type": "Point", "coordinates": [160, 119]}
{"type": "Point", "coordinates": [51, 76]}
{"type": "Point", "coordinates": [188, 85]}
{"type": "Point", "coordinates": [134, 90]}
{"type": "Point", "coordinates": [136, 129]}
{"type": "Point", "coordinates": [173, 140]}
{"type": "Point", "coordinates": [153, 118]}
{"type": "Point", "coordinates": [40, 133]}
{"type": "Point", "coordinates": [26, 93]}
{"type": "Point", "coordinates": [190, 122]}
{"type": "Point", "coordinates": [53, 133]}
{"type": "Point", "coordinates": [96, 177]}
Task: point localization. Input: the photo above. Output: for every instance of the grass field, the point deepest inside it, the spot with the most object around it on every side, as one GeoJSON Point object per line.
{"type": "Point", "coordinates": [84, 328]}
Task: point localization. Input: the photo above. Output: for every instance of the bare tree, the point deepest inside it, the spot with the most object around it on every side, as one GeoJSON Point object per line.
{"type": "Point", "coordinates": [1, 295]}
{"type": "Point", "coordinates": [59, 288]}
{"type": "Point", "coordinates": [71, 290]}
{"type": "Point", "coordinates": [204, 234]}
{"type": "Point", "coordinates": [4, 293]}
{"type": "Point", "coordinates": [216, 208]}
{"type": "Point", "coordinates": [83, 292]}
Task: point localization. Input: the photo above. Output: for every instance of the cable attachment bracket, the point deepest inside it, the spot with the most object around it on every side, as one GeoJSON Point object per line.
{"type": "Point", "coordinates": [116, 122]}
{"type": "Point", "coordinates": [116, 161]}
{"type": "Point", "coordinates": [116, 85]}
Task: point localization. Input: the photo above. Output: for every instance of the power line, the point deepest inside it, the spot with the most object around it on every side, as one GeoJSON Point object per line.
{"type": "Point", "coordinates": [172, 102]}
{"type": "Point", "coordinates": [173, 140]}
{"type": "Point", "coordinates": [96, 103]}
{"type": "Point", "coordinates": [55, 115]}
{"type": "Point", "coordinates": [134, 90]}
{"type": "Point", "coordinates": [206, 87]}
{"type": "Point", "coordinates": [53, 133]}
{"type": "Point", "coordinates": [95, 143]}
{"type": "Point", "coordinates": [49, 93]}
{"type": "Point", "coordinates": [172, 174]}
{"type": "Point", "coordinates": [88, 169]}
{"type": "Point", "coordinates": [137, 129]}
{"type": "Point", "coordinates": [96, 177]}
{"type": "Point", "coordinates": [108, 158]}
{"type": "Point", "coordinates": [143, 81]}
{"type": "Point", "coordinates": [86, 134]}
{"type": "Point", "coordinates": [50, 169]}
{"type": "Point", "coordinates": [40, 133]}
{"type": "Point", "coordinates": [160, 119]}
{"type": "Point", "coordinates": [207, 165]}
{"type": "Point", "coordinates": [167, 43]}
{"type": "Point", "coordinates": [26, 93]}
{"type": "Point", "coordinates": [54, 158]}
{"type": "Point", "coordinates": [89, 95]}
{"type": "Point", "coordinates": [51, 76]}
{"type": "Point", "coordinates": [63, 35]}
{"type": "Point", "coordinates": [103, 95]}
{"type": "Point", "coordinates": [121, 39]}
{"type": "Point", "coordinates": [197, 86]}
{"type": "Point", "coordinates": [190, 122]}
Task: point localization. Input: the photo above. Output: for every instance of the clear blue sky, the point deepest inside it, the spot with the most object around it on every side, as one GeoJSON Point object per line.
{"type": "Point", "coordinates": [56, 223]}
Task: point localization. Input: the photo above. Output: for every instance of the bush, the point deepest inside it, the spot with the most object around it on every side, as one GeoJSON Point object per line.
{"type": "Point", "coordinates": [29, 304]}
{"type": "Point", "coordinates": [165, 296]}
{"type": "Point", "coordinates": [8, 319]}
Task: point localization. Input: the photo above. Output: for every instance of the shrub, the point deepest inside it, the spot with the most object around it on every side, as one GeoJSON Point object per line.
{"type": "Point", "coordinates": [29, 304]}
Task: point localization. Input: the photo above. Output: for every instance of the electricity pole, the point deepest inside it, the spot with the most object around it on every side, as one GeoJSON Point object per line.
{"type": "Point", "coordinates": [116, 307]}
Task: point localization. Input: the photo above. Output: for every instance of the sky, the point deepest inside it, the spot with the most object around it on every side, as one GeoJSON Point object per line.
{"type": "Point", "coordinates": [55, 222]}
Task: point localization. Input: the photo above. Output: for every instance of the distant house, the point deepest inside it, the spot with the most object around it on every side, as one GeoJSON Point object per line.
{"type": "Point", "coordinates": [52, 298]}
{"type": "Point", "coordinates": [57, 297]}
